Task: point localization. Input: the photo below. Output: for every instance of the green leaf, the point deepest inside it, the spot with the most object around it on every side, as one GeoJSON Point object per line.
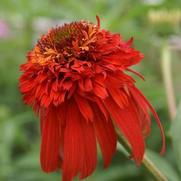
{"type": "Point", "coordinates": [163, 165]}
{"type": "Point", "coordinates": [176, 136]}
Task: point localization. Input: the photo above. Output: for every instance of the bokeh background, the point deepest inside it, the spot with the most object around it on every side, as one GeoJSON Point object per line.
{"type": "Point", "coordinates": [156, 28]}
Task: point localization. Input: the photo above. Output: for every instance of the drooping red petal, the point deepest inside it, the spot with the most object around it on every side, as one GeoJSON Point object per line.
{"type": "Point", "coordinates": [119, 79]}
{"type": "Point", "coordinates": [80, 153]}
{"type": "Point", "coordinates": [50, 131]}
{"type": "Point", "coordinates": [84, 107]}
{"type": "Point", "coordinates": [72, 147]}
{"type": "Point", "coordinates": [143, 117]}
{"type": "Point", "coordinates": [106, 136]}
{"type": "Point", "coordinates": [89, 161]}
{"type": "Point", "coordinates": [141, 110]}
{"type": "Point", "coordinates": [129, 128]}
{"type": "Point", "coordinates": [136, 73]}
{"type": "Point", "coordinates": [140, 97]}
{"type": "Point", "coordinates": [101, 106]}
{"type": "Point", "coordinates": [119, 97]}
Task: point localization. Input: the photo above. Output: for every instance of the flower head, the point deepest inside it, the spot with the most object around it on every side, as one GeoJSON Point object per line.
{"type": "Point", "coordinates": [75, 79]}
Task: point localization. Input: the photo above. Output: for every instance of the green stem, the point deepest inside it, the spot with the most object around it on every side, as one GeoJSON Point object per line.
{"type": "Point", "coordinates": [149, 165]}
{"type": "Point", "coordinates": [167, 77]}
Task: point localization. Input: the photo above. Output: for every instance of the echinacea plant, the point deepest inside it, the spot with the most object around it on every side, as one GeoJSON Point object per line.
{"type": "Point", "coordinates": [76, 80]}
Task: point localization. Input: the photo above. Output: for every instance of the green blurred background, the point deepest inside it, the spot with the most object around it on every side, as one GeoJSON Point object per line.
{"type": "Point", "coordinates": [156, 28]}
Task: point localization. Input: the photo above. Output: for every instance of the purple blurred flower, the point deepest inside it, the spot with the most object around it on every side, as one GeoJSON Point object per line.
{"type": "Point", "coordinates": [4, 29]}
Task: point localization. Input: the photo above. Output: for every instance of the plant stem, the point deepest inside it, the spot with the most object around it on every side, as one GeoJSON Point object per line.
{"type": "Point", "coordinates": [149, 165]}
{"type": "Point", "coordinates": [167, 77]}
{"type": "Point", "coordinates": [153, 169]}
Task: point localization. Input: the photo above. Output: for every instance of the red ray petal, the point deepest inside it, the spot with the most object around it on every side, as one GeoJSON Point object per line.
{"type": "Point", "coordinates": [143, 117]}
{"type": "Point", "coordinates": [79, 146]}
{"type": "Point", "coordinates": [89, 161]}
{"type": "Point", "coordinates": [140, 97]}
{"type": "Point", "coordinates": [136, 73]}
{"type": "Point", "coordinates": [49, 157]}
{"type": "Point", "coordinates": [119, 97]}
{"type": "Point", "coordinates": [101, 106]}
{"type": "Point", "coordinates": [84, 107]}
{"type": "Point", "coordinates": [129, 127]}
{"type": "Point", "coordinates": [106, 136]}
{"type": "Point", "coordinates": [141, 109]}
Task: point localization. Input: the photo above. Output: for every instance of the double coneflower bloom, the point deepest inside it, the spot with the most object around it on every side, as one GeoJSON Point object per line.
{"type": "Point", "coordinates": [76, 79]}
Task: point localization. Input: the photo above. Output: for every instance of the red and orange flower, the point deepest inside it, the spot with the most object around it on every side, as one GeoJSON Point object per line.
{"type": "Point", "coordinates": [75, 79]}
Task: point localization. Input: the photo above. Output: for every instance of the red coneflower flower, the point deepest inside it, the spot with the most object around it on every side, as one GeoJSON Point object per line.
{"type": "Point", "coordinates": [75, 79]}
